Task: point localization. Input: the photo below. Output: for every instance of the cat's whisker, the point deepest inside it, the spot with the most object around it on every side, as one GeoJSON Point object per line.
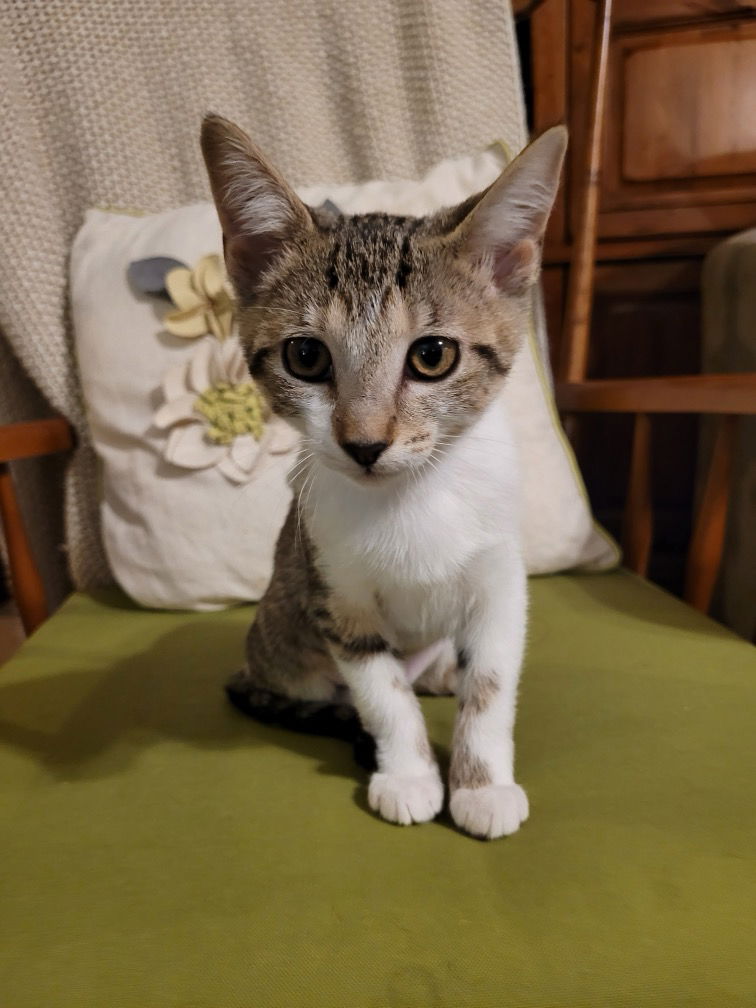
{"type": "Point", "coordinates": [310, 486]}
{"type": "Point", "coordinates": [315, 511]}
{"type": "Point", "coordinates": [431, 462]}
{"type": "Point", "coordinates": [298, 535]}
{"type": "Point", "coordinates": [415, 475]}
{"type": "Point", "coordinates": [295, 475]}
{"type": "Point", "coordinates": [298, 469]}
{"type": "Point", "coordinates": [300, 465]}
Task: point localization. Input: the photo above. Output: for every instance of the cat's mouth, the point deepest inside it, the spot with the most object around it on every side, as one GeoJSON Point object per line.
{"type": "Point", "coordinates": [368, 475]}
{"type": "Point", "coordinates": [380, 472]}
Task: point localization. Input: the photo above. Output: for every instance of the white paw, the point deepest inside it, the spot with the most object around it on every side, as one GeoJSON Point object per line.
{"type": "Point", "coordinates": [406, 800]}
{"type": "Point", "coordinates": [489, 812]}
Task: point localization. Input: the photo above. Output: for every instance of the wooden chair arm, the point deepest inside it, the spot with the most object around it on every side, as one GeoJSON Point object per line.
{"type": "Point", "coordinates": [36, 437]}
{"type": "Point", "coordinates": [23, 441]}
{"type": "Point", "coordinates": [706, 393]}
{"type": "Point", "coordinates": [728, 397]}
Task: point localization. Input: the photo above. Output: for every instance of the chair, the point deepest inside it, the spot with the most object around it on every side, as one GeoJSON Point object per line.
{"type": "Point", "coordinates": [159, 849]}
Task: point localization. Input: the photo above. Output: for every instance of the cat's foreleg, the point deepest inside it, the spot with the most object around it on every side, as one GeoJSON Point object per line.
{"type": "Point", "coordinates": [407, 786]}
{"type": "Point", "coordinates": [484, 798]}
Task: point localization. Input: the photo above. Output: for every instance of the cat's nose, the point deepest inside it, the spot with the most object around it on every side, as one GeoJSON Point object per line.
{"type": "Point", "coordinates": [365, 454]}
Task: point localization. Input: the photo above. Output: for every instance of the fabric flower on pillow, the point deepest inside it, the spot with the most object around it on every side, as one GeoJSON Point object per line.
{"type": "Point", "coordinates": [202, 299]}
{"type": "Point", "coordinates": [216, 415]}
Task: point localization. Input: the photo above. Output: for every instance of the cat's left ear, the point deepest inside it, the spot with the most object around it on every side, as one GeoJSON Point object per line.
{"type": "Point", "coordinates": [507, 225]}
{"type": "Point", "coordinates": [259, 212]}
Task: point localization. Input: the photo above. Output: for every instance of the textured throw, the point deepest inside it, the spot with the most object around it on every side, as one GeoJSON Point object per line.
{"type": "Point", "coordinates": [101, 104]}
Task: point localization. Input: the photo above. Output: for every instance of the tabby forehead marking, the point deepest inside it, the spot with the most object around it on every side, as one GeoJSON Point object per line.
{"type": "Point", "coordinates": [372, 251]}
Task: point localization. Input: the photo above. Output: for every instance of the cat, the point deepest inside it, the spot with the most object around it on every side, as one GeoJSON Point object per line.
{"type": "Point", "coordinates": [386, 342]}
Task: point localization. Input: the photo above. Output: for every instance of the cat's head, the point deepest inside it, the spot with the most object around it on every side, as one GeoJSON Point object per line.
{"type": "Point", "coordinates": [380, 338]}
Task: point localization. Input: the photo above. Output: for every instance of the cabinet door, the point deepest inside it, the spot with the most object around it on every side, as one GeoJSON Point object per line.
{"type": "Point", "coordinates": [680, 154]}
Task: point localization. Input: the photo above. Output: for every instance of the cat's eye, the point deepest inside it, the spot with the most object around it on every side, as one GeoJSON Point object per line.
{"type": "Point", "coordinates": [432, 357]}
{"type": "Point", "coordinates": [307, 359]}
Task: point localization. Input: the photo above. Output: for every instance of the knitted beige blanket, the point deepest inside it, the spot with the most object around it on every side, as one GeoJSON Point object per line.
{"type": "Point", "coordinates": [101, 102]}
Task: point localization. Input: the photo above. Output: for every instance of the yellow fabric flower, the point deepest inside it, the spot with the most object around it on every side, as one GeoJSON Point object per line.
{"type": "Point", "coordinates": [232, 411]}
{"type": "Point", "coordinates": [202, 299]}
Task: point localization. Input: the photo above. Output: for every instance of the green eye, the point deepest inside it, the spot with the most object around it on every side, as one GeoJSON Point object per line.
{"type": "Point", "coordinates": [307, 359]}
{"type": "Point", "coordinates": [432, 357]}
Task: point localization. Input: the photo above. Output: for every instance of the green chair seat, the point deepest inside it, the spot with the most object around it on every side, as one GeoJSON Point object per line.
{"type": "Point", "coordinates": [158, 849]}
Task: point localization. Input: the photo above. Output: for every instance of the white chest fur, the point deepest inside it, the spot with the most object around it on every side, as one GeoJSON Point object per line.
{"type": "Point", "coordinates": [413, 541]}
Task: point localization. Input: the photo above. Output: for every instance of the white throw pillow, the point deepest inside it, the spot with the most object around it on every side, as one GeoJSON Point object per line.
{"type": "Point", "coordinates": [200, 534]}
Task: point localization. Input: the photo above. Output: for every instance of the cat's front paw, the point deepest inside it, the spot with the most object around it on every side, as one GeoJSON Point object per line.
{"type": "Point", "coordinates": [406, 800]}
{"type": "Point", "coordinates": [489, 812]}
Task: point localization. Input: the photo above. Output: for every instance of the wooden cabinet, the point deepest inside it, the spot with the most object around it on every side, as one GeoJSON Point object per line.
{"type": "Point", "coordinates": [679, 165]}
{"type": "Point", "coordinates": [679, 173]}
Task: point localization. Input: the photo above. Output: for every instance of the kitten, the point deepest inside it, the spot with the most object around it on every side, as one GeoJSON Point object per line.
{"type": "Point", "coordinates": [386, 341]}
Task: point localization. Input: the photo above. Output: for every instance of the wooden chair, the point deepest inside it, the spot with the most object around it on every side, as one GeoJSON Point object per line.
{"type": "Point", "coordinates": [726, 396]}
{"type": "Point", "coordinates": [162, 850]}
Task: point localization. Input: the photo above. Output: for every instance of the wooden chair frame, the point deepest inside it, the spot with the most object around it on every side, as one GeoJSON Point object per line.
{"type": "Point", "coordinates": [24, 441]}
{"type": "Point", "coordinates": [727, 396]}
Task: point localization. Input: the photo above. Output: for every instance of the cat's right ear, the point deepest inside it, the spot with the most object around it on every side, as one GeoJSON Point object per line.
{"type": "Point", "coordinates": [258, 211]}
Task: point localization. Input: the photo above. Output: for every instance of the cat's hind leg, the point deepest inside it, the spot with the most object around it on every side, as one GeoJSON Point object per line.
{"type": "Point", "coordinates": [331, 717]}
{"type": "Point", "coordinates": [434, 671]}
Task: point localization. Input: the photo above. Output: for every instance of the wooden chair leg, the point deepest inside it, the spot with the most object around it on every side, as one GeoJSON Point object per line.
{"type": "Point", "coordinates": [638, 521]}
{"type": "Point", "coordinates": [28, 590]}
{"type": "Point", "coordinates": [707, 541]}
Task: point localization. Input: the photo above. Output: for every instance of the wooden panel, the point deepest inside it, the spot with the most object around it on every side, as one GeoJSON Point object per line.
{"type": "Point", "coordinates": [553, 283]}
{"type": "Point", "coordinates": [692, 109]}
{"type": "Point", "coordinates": [680, 150]}
{"type": "Point", "coordinates": [708, 217]}
{"type": "Point", "coordinates": [646, 11]}
{"type": "Point", "coordinates": [647, 247]}
{"type": "Point", "coordinates": [647, 319]}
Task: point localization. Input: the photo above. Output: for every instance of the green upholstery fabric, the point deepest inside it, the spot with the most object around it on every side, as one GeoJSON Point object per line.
{"type": "Point", "coordinates": [159, 849]}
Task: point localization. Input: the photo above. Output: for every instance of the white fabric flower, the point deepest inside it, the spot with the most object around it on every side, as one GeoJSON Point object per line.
{"type": "Point", "coordinates": [216, 415]}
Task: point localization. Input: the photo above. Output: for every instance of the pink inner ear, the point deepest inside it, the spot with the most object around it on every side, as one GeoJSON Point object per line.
{"type": "Point", "coordinates": [247, 257]}
{"type": "Point", "coordinates": [515, 267]}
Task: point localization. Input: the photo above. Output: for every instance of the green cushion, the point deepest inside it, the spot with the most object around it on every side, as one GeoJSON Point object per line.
{"type": "Point", "coordinates": [159, 849]}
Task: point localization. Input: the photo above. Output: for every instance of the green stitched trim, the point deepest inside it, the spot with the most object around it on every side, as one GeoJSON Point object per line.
{"type": "Point", "coordinates": [505, 148]}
